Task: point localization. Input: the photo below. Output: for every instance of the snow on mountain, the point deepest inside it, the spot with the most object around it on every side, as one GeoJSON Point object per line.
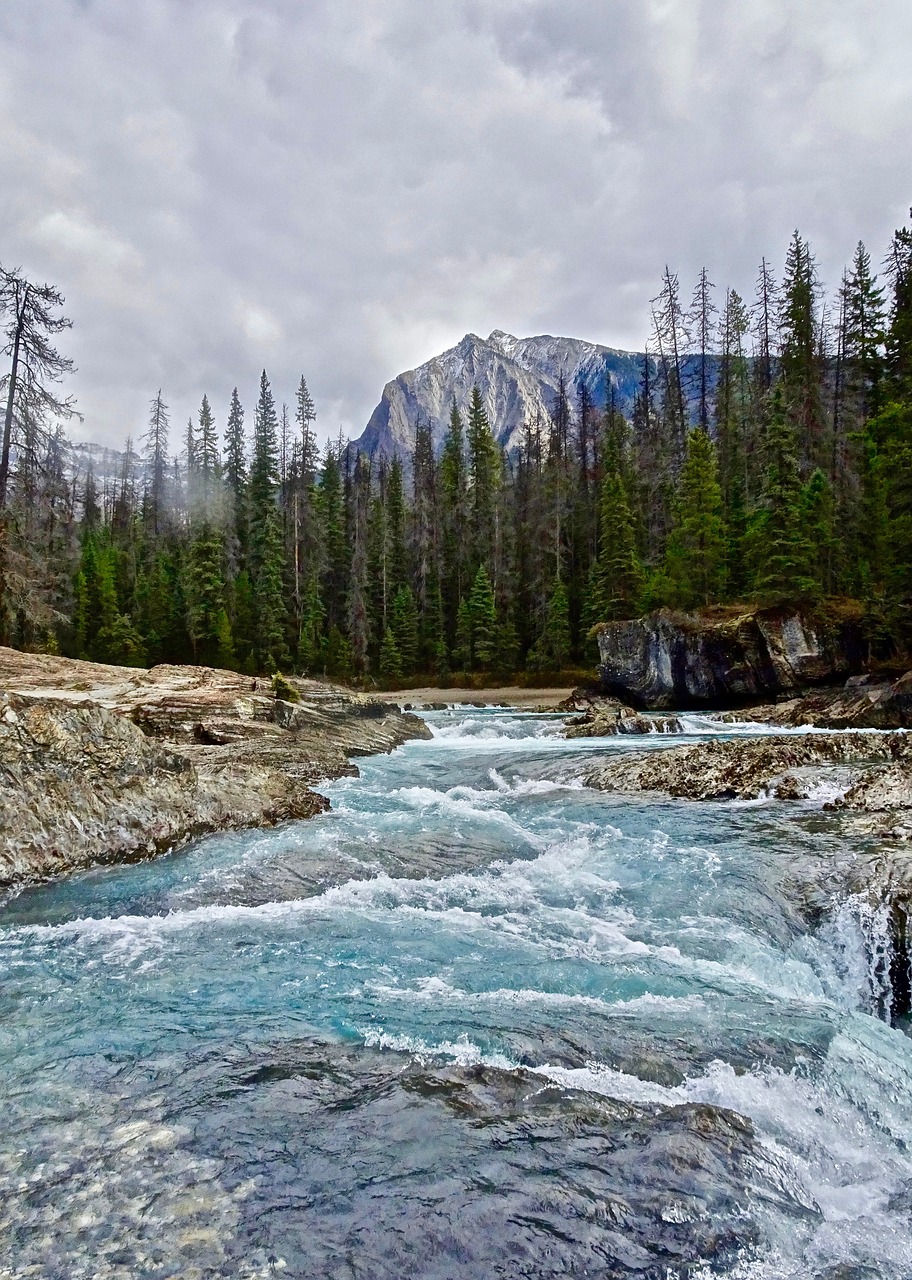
{"type": "Point", "coordinates": [518, 380]}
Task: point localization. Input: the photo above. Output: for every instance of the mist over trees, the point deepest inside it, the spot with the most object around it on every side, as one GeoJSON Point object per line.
{"type": "Point", "coordinates": [767, 458]}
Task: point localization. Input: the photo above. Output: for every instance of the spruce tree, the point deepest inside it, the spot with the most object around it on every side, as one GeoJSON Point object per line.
{"type": "Point", "coordinates": [453, 521]}
{"type": "Point", "coordinates": [779, 552]}
{"type": "Point", "coordinates": [462, 644]}
{"type": "Point", "coordinates": [616, 582]}
{"type": "Point", "coordinates": [483, 473]}
{"type": "Point", "coordinates": [204, 593]}
{"type": "Point", "coordinates": [270, 649]}
{"type": "Point", "coordinates": [404, 626]}
{"type": "Point", "coordinates": [390, 657]}
{"type": "Point", "coordinates": [551, 651]}
{"type": "Point", "coordinates": [482, 615]}
{"type": "Point", "coordinates": [696, 553]}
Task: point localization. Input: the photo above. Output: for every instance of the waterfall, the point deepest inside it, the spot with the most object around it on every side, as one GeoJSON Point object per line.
{"type": "Point", "coordinates": [870, 941]}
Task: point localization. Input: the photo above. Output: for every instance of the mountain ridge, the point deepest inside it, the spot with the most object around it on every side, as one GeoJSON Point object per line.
{"type": "Point", "coordinates": [518, 379]}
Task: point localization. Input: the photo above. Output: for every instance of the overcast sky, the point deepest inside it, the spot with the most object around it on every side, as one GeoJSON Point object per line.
{"type": "Point", "coordinates": [344, 188]}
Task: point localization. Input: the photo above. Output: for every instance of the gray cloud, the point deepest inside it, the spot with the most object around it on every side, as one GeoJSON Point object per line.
{"type": "Point", "coordinates": [343, 188]}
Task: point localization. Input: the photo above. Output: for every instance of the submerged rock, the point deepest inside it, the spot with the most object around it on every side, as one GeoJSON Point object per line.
{"type": "Point", "coordinates": [675, 660]}
{"type": "Point", "coordinates": [107, 764]}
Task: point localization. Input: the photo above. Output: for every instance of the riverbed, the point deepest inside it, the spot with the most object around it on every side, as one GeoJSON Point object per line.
{"type": "Point", "coordinates": [479, 1020]}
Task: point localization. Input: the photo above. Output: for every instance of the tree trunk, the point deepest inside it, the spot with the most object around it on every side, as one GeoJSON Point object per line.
{"type": "Point", "coordinates": [10, 402]}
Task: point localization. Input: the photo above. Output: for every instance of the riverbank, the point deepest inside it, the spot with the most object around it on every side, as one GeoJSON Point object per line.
{"type": "Point", "coordinates": [102, 764]}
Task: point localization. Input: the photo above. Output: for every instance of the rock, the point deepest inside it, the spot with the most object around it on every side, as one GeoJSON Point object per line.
{"type": "Point", "coordinates": [747, 768]}
{"type": "Point", "coordinates": [607, 716]}
{"type": "Point", "coordinates": [722, 658]}
{"type": "Point", "coordinates": [107, 764]}
{"type": "Point", "coordinates": [863, 703]}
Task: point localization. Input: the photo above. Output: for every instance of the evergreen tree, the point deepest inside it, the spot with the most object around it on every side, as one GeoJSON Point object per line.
{"type": "Point", "coordinates": [404, 626]}
{"type": "Point", "coordinates": [778, 548]}
{"type": "Point", "coordinates": [616, 582]}
{"type": "Point", "coordinates": [482, 617]}
{"type": "Point", "coordinates": [270, 649]}
{"type": "Point", "coordinates": [235, 475]}
{"type": "Point", "coordinates": [204, 593]}
{"type": "Point", "coordinates": [483, 472]}
{"type": "Point", "coordinates": [156, 456]}
{"type": "Point", "coordinates": [696, 554]}
{"type": "Point", "coordinates": [453, 521]}
{"type": "Point", "coordinates": [552, 649]}
{"type": "Point", "coordinates": [462, 645]}
{"type": "Point", "coordinates": [390, 657]}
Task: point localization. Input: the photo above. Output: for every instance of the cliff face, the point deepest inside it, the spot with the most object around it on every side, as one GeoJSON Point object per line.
{"type": "Point", "coordinates": [106, 764]}
{"type": "Point", "coordinates": [667, 660]}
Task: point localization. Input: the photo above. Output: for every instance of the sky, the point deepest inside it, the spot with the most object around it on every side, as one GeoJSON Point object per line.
{"type": "Point", "coordinates": [343, 188]}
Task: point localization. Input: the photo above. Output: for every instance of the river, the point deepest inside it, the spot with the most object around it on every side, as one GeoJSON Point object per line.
{"type": "Point", "coordinates": [476, 1021]}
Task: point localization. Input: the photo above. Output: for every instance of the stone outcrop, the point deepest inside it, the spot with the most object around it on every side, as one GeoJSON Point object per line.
{"type": "Point", "coordinates": [875, 770]}
{"type": "Point", "coordinates": [605, 717]}
{"type": "Point", "coordinates": [722, 658]}
{"type": "Point", "coordinates": [105, 764]}
{"type": "Point", "coordinates": [864, 702]}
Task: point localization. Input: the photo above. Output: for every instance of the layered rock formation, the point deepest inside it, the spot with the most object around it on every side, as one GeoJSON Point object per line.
{"type": "Point", "coordinates": [723, 659]}
{"type": "Point", "coordinates": [863, 773]}
{"type": "Point", "coordinates": [862, 703]}
{"type": "Point", "coordinates": [106, 764]}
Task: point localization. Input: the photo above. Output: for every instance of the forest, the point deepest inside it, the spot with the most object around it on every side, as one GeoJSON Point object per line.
{"type": "Point", "coordinates": [767, 459]}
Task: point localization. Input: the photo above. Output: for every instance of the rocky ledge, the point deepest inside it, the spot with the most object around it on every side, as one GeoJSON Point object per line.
{"type": "Point", "coordinates": [864, 702]}
{"type": "Point", "coordinates": [727, 657]}
{"type": "Point", "coordinates": [108, 764]}
{"type": "Point", "coordinates": [861, 773]}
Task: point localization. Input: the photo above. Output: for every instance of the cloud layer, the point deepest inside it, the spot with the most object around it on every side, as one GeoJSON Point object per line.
{"type": "Point", "coordinates": [345, 187]}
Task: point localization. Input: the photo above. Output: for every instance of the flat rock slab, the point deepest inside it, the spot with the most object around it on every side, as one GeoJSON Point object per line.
{"type": "Point", "coordinates": [107, 764]}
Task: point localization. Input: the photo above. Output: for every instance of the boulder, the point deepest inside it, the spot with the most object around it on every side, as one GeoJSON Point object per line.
{"type": "Point", "coordinates": [726, 658]}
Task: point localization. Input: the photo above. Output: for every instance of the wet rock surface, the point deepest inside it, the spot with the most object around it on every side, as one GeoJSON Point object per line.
{"type": "Point", "coordinates": [669, 660]}
{"type": "Point", "coordinates": [106, 764]}
{"type": "Point", "coordinates": [864, 702]}
{"type": "Point", "coordinates": [786, 767]}
{"type": "Point", "coordinates": [604, 717]}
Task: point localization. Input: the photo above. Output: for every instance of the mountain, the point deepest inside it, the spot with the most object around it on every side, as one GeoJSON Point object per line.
{"type": "Point", "coordinates": [518, 380]}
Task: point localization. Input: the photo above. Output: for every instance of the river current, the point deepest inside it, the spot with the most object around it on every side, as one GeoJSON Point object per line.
{"type": "Point", "coordinates": [477, 1021]}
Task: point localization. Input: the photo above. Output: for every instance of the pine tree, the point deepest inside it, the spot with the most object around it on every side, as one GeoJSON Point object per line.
{"type": "Point", "coordinates": [204, 593]}
{"type": "Point", "coordinates": [552, 649]}
{"type": "Point", "coordinates": [270, 649]}
{"type": "Point", "coordinates": [156, 456]}
{"type": "Point", "coordinates": [462, 644]}
{"type": "Point", "coordinates": [404, 626]}
{"type": "Point", "coordinates": [453, 521]}
{"type": "Point", "coordinates": [207, 454]}
{"type": "Point", "coordinates": [779, 552]}
{"type": "Point", "coordinates": [616, 582]}
{"type": "Point", "coordinates": [235, 475]}
{"type": "Point", "coordinates": [358, 615]}
{"type": "Point", "coordinates": [696, 554]}
{"type": "Point", "coordinates": [799, 358]}
{"type": "Point", "coordinates": [818, 520]}
{"type": "Point", "coordinates": [482, 615]}
{"type": "Point", "coordinates": [483, 472]}
{"type": "Point", "coordinates": [390, 657]}
{"type": "Point", "coordinates": [310, 652]}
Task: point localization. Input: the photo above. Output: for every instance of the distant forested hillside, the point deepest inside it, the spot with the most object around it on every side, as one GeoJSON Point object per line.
{"type": "Point", "coordinates": [763, 452]}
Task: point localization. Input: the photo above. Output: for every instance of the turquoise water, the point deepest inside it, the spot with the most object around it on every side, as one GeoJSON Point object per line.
{"type": "Point", "coordinates": [478, 1020]}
